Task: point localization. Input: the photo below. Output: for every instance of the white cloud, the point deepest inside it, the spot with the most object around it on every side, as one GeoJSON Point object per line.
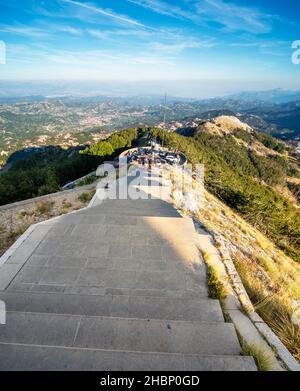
{"type": "Point", "coordinates": [277, 48]}
{"type": "Point", "coordinates": [100, 58]}
{"type": "Point", "coordinates": [99, 33]}
{"type": "Point", "coordinates": [27, 31]}
{"type": "Point", "coordinates": [104, 12]}
{"type": "Point", "coordinates": [160, 42]}
{"type": "Point", "coordinates": [231, 16]}
{"type": "Point", "coordinates": [178, 47]}
{"type": "Point", "coordinates": [90, 64]}
{"type": "Point", "coordinates": [162, 34]}
{"type": "Point", "coordinates": [67, 29]}
{"type": "Point", "coordinates": [235, 17]}
{"type": "Point", "coordinates": [109, 34]}
{"type": "Point", "coordinates": [163, 8]}
{"type": "Point", "coordinates": [59, 28]}
{"type": "Point", "coordinates": [43, 30]}
{"type": "Point", "coordinates": [260, 44]}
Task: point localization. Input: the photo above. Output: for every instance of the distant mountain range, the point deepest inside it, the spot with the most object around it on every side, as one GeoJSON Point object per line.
{"type": "Point", "coordinates": [69, 120]}
{"type": "Point", "coordinates": [273, 96]}
{"type": "Point", "coordinates": [151, 91]}
{"type": "Point", "coordinates": [280, 120]}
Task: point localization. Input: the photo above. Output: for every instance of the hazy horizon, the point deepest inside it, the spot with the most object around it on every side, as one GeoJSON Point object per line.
{"type": "Point", "coordinates": [193, 89]}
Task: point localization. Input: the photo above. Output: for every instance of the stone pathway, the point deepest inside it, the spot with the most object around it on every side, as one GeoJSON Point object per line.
{"type": "Point", "coordinates": [117, 286]}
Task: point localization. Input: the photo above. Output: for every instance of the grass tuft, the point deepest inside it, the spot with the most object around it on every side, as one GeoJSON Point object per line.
{"type": "Point", "coordinates": [216, 288]}
{"type": "Point", "coordinates": [44, 207]}
{"type": "Point", "coordinates": [262, 359]}
{"type": "Point", "coordinates": [14, 234]}
{"type": "Point", "coordinates": [86, 197]}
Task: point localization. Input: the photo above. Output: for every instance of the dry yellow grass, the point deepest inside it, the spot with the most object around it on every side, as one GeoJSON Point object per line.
{"type": "Point", "coordinates": [262, 359]}
{"type": "Point", "coordinates": [271, 278]}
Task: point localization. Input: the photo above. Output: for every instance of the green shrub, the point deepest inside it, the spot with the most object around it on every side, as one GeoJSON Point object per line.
{"type": "Point", "coordinates": [113, 145]}
{"type": "Point", "coordinates": [270, 142]}
{"type": "Point", "coordinates": [271, 169]}
{"type": "Point", "coordinates": [88, 180]}
{"type": "Point", "coordinates": [295, 189]}
{"type": "Point", "coordinates": [243, 135]}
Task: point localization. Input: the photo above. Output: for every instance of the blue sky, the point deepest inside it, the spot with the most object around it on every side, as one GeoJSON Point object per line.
{"type": "Point", "coordinates": [245, 42]}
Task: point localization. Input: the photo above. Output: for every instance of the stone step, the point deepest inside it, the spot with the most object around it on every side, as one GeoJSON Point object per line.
{"type": "Point", "coordinates": [115, 217]}
{"type": "Point", "coordinates": [105, 228]}
{"type": "Point", "coordinates": [140, 206]}
{"type": "Point", "coordinates": [38, 358]}
{"type": "Point", "coordinates": [68, 272]}
{"type": "Point", "coordinates": [138, 222]}
{"type": "Point", "coordinates": [94, 291]}
{"type": "Point", "coordinates": [179, 294]}
{"type": "Point", "coordinates": [134, 208]}
{"type": "Point", "coordinates": [124, 334]}
{"type": "Point", "coordinates": [138, 212]}
{"type": "Point", "coordinates": [116, 306]}
{"type": "Point", "coordinates": [145, 204]}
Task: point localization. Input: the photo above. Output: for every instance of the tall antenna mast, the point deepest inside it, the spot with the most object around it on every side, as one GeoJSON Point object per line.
{"type": "Point", "coordinates": [165, 110]}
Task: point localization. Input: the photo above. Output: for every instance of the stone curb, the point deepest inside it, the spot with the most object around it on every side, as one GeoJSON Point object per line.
{"type": "Point", "coordinates": [282, 352]}
{"type": "Point", "coordinates": [9, 252]}
{"type": "Point", "coordinates": [233, 274]}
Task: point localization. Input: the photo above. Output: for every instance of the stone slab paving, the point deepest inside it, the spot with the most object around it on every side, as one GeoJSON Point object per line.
{"type": "Point", "coordinates": [143, 307]}
{"type": "Point", "coordinates": [125, 334]}
{"type": "Point", "coordinates": [120, 285]}
{"type": "Point", "coordinates": [29, 358]}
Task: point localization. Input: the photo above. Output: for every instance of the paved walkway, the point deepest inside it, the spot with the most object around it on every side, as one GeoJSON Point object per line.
{"type": "Point", "coordinates": [118, 286]}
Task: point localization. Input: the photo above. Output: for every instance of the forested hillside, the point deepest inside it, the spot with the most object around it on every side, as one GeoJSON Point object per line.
{"type": "Point", "coordinates": [114, 144]}
{"type": "Point", "coordinates": [46, 171]}
{"type": "Point", "coordinates": [246, 181]}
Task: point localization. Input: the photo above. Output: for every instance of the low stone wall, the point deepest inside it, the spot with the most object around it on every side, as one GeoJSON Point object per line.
{"type": "Point", "coordinates": [17, 217]}
{"type": "Point", "coordinates": [72, 184]}
{"type": "Point", "coordinates": [49, 197]}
